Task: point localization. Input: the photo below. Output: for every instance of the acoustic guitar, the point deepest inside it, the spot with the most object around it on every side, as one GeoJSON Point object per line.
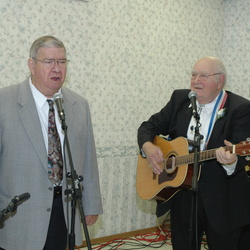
{"type": "Point", "coordinates": [177, 168]}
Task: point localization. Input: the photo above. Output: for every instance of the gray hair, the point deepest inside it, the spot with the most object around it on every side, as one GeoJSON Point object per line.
{"type": "Point", "coordinates": [45, 41]}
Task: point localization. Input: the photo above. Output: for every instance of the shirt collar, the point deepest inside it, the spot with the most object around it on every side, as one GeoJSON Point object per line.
{"type": "Point", "coordinates": [208, 108]}
{"type": "Point", "coordinates": [40, 99]}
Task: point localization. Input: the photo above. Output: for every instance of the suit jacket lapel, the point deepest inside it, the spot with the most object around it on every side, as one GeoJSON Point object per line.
{"type": "Point", "coordinates": [71, 116]}
{"type": "Point", "coordinates": [183, 121]}
{"type": "Point", "coordinates": [31, 122]}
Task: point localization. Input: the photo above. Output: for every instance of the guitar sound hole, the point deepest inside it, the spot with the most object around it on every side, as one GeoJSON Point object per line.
{"type": "Point", "coordinates": [170, 170]}
{"type": "Point", "coordinates": [170, 164]}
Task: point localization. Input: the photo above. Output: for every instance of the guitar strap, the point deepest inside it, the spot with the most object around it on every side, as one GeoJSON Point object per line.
{"type": "Point", "coordinates": [219, 105]}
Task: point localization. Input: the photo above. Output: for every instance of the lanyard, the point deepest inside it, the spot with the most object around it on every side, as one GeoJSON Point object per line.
{"type": "Point", "coordinates": [219, 103]}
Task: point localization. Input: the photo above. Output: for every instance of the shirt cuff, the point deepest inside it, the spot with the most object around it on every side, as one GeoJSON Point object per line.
{"type": "Point", "coordinates": [143, 154]}
{"type": "Point", "coordinates": [230, 168]}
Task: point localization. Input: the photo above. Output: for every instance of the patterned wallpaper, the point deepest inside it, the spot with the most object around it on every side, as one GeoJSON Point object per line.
{"type": "Point", "coordinates": [236, 48]}
{"type": "Point", "coordinates": [126, 58]}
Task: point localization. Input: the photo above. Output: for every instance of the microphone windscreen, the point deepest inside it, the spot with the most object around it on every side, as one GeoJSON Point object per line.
{"type": "Point", "coordinates": [192, 94]}
{"type": "Point", "coordinates": [57, 96]}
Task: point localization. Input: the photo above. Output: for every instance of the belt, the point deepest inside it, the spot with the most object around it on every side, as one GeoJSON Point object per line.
{"type": "Point", "coordinates": [57, 192]}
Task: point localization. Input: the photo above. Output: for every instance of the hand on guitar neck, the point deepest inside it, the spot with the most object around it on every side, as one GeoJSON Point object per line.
{"type": "Point", "coordinates": [154, 156]}
{"type": "Point", "coordinates": [224, 156]}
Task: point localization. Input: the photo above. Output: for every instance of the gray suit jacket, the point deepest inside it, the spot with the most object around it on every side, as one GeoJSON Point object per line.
{"type": "Point", "coordinates": [23, 166]}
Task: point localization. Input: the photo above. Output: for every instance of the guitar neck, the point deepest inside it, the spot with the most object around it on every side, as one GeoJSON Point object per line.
{"type": "Point", "coordinates": [203, 156]}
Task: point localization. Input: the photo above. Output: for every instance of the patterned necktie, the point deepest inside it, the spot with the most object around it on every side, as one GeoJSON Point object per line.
{"type": "Point", "coordinates": [55, 161]}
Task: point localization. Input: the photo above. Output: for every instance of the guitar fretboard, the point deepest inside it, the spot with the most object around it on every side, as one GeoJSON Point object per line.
{"type": "Point", "coordinates": [203, 156]}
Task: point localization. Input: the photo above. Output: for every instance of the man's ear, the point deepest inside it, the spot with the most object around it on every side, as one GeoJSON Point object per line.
{"type": "Point", "coordinates": [221, 82]}
{"type": "Point", "coordinates": [31, 65]}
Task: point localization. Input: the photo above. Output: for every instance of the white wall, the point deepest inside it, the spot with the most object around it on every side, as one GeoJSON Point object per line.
{"type": "Point", "coordinates": [126, 58]}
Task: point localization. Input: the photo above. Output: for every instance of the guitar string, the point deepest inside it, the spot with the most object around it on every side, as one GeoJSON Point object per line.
{"type": "Point", "coordinates": [188, 159]}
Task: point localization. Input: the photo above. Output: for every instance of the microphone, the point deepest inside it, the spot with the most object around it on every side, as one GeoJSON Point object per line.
{"type": "Point", "coordinates": [16, 200]}
{"type": "Point", "coordinates": [192, 96]}
{"type": "Point", "coordinates": [21, 197]}
{"type": "Point", "coordinates": [58, 100]}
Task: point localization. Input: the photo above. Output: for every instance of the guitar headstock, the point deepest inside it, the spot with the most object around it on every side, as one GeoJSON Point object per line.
{"type": "Point", "coordinates": [243, 148]}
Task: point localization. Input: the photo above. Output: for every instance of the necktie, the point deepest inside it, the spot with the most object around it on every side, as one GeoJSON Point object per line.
{"type": "Point", "coordinates": [55, 161]}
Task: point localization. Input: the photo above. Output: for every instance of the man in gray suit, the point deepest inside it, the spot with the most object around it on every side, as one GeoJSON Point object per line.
{"type": "Point", "coordinates": [42, 222]}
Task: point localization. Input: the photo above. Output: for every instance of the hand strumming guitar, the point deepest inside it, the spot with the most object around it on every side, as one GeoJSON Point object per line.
{"type": "Point", "coordinates": [154, 156]}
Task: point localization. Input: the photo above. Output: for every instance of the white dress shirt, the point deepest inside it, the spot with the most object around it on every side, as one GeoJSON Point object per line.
{"type": "Point", "coordinates": [205, 111]}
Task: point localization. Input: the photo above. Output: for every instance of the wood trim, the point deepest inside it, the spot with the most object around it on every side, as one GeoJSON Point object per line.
{"type": "Point", "coordinates": [121, 235]}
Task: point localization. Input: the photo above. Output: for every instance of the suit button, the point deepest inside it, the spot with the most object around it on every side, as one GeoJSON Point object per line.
{"type": "Point", "coordinates": [48, 209]}
{"type": "Point", "coordinates": [50, 188]}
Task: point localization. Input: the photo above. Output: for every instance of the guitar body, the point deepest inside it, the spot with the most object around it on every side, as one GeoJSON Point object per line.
{"type": "Point", "coordinates": [177, 168]}
{"type": "Point", "coordinates": [162, 187]}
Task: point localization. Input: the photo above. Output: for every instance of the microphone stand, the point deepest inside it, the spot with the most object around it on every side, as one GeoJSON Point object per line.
{"type": "Point", "coordinates": [193, 217]}
{"type": "Point", "coordinates": [10, 208]}
{"type": "Point", "coordinates": [197, 143]}
{"type": "Point", "coordinates": [76, 194]}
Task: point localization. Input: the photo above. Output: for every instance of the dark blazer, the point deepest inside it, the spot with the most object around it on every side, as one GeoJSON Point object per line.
{"type": "Point", "coordinates": [23, 165]}
{"type": "Point", "coordinates": [226, 198]}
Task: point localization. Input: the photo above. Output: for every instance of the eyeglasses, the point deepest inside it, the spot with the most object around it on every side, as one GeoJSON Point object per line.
{"type": "Point", "coordinates": [203, 77]}
{"type": "Point", "coordinates": [49, 63]}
